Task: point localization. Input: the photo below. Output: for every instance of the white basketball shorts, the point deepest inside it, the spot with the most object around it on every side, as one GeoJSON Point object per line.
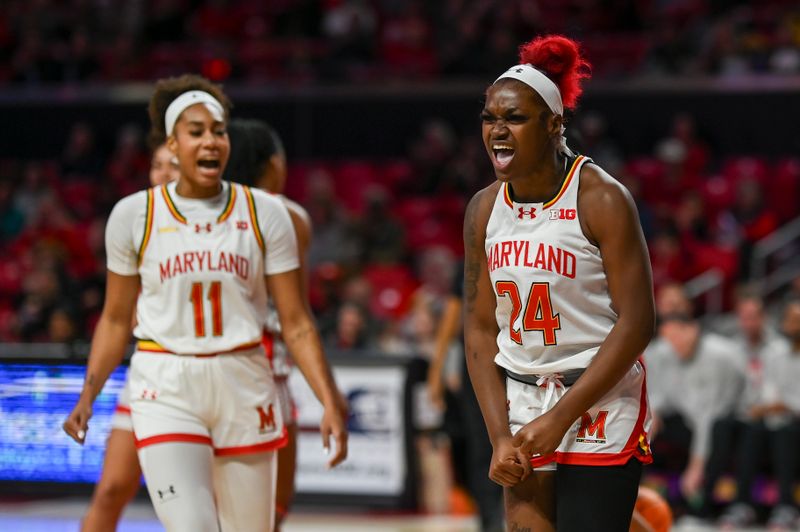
{"type": "Point", "coordinates": [610, 433]}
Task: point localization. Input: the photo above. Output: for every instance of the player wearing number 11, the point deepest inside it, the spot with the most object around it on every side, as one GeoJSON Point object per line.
{"type": "Point", "coordinates": [558, 307]}
{"type": "Point", "coordinates": [196, 258]}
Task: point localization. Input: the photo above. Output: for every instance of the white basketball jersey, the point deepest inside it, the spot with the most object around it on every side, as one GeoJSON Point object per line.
{"type": "Point", "coordinates": [203, 287]}
{"type": "Point", "coordinates": [553, 306]}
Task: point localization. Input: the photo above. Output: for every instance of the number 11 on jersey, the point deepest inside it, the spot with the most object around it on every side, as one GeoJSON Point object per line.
{"type": "Point", "coordinates": [215, 297]}
{"type": "Point", "coordinates": [538, 313]}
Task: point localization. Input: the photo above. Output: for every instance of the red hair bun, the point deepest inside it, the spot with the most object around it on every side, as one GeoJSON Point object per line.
{"type": "Point", "coordinates": [560, 59]}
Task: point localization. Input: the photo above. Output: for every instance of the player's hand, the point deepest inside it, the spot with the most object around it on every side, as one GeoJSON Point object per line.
{"type": "Point", "coordinates": [77, 423]}
{"type": "Point", "coordinates": [508, 467]}
{"type": "Point", "coordinates": [332, 424]}
{"type": "Point", "coordinates": [342, 404]}
{"type": "Point", "coordinates": [542, 436]}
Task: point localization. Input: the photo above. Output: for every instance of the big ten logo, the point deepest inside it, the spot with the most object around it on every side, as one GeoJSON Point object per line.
{"type": "Point", "coordinates": [563, 214]}
{"type": "Point", "coordinates": [266, 418]}
{"type": "Point", "coordinates": [592, 430]}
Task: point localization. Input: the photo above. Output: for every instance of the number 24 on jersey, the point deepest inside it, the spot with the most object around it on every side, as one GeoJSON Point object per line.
{"type": "Point", "coordinates": [537, 314]}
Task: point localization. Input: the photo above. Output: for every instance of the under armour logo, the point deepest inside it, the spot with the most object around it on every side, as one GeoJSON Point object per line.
{"type": "Point", "coordinates": [241, 225]}
{"type": "Point", "coordinates": [530, 212]}
{"type": "Point", "coordinates": [166, 493]}
{"type": "Point", "coordinates": [519, 71]}
{"type": "Point", "coordinates": [198, 228]}
{"type": "Point", "coordinates": [149, 394]}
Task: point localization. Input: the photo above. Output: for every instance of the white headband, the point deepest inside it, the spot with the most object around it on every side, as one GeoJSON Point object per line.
{"type": "Point", "coordinates": [187, 99]}
{"type": "Point", "coordinates": [533, 78]}
{"type": "Point", "coordinates": [545, 87]}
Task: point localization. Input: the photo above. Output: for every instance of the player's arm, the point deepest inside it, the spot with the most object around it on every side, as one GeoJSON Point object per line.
{"type": "Point", "coordinates": [302, 230]}
{"type": "Point", "coordinates": [480, 342]}
{"type": "Point", "coordinates": [303, 341]}
{"type": "Point", "coordinates": [109, 342]}
{"type": "Point", "coordinates": [610, 220]}
{"type": "Point", "coordinates": [446, 331]}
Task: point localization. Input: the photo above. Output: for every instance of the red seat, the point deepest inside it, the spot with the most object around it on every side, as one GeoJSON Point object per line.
{"type": "Point", "coordinates": [392, 288]}
{"type": "Point", "coordinates": [783, 189]}
{"type": "Point", "coordinates": [745, 167]}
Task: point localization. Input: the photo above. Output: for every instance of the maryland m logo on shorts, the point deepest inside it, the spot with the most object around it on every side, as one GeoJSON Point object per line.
{"type": "Point", "coordinates": [592, 430]}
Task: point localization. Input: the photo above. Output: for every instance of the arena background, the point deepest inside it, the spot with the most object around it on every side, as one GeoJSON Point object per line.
{"type": "Point", "coordinates": [693, 105]}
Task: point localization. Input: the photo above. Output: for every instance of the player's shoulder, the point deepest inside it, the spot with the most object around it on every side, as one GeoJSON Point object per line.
{"type": "Point", "coordinates": [132, 202]}
{"type": "Point", "coordinates": [265, 199]}
{"type": "Point", "coordinates": [598, 187]}
{"type": "Point", "coordinates": [480, 206]}
{"type": "Point", "coordinates": [296, 210]}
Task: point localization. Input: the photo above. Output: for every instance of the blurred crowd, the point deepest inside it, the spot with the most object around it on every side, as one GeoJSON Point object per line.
{"type": "Point", "coordinates": [387, 233]}
{"type": "Point", "coordinates": [304, 41]}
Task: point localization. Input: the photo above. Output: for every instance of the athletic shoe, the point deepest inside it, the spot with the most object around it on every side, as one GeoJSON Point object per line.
{"type": "Point", "coordinates": [737, 516]}
{"type": "Point", "coordinates": [784, 517]}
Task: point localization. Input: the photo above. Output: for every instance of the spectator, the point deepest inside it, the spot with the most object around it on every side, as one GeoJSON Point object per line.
{"type": "Point", "coordinates": [350, 332]}
{"type": "Point", "coordinates": [80, 158]}
{"type": "Point", "coordinates": [11, 218]}
{"type": "Point", "coordinates": [334, 241]}
{"type": "Point", "coordinates": [754, 342]}
{"type": "Point", "coordinates": [747, 221]}
{"type": "Point", "coordinates": [774, 419]}
{"type": "Point", "coordinates": [381, 237]}
{"type": "Point", "coordinates": [695, 379]}
{"type": "Point", "coordinates": [62, 326]}
{"type": "Point", "coordinates": [34, 191]}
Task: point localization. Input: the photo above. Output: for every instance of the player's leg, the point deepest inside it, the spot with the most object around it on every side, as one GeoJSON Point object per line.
{"type": "Point", "coordinates": [488, 495]}
{"type": "Point", "coordinates": [244, 486]}
{"type": "Point", "coordinates": [287, 464]}
{"type": "Point", "coordinates": [596, 498]}
{"type": "Point", "coordinates": [530, 505]}
{"type": "Point", "coordinates": [118, 483]}
{"type": "Point", "coordinates": [179, 480]}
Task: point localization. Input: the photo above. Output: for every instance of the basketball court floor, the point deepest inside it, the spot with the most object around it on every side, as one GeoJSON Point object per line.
{"type": "Point", "coordinates": [63, 515]}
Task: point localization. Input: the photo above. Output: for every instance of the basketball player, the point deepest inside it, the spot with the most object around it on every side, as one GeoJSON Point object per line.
{"type": "Point", "coordinates": [119, 480]}
{"type": "Point", "coordinates": [259, 160]}
{"type": "Point", "coordinates": [558, 307]}
{"type": "Point", "coordinates": [204, 252]}
{"type": "Point", "coordinates": [163, 166]}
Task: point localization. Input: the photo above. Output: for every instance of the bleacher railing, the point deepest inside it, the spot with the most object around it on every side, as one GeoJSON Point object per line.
{"type": "Point", "coordinates": [774, 263]}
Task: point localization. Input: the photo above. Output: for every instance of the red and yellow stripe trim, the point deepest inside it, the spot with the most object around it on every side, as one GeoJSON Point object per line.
{"type": "Point", "coordinates": [150, 346]}
{"type": "Point", "coordinates": [566, 183]}
{"type": "Point", "coordinates": [148, 225]}
{"type": "Point", "coordinates": [251, 207]}
{"type": "Point", "coordinates": [171, 205]}
{"type": "Point", "coordinates": [507, 195]}
{"type": "Point", "coordinates": [226, 212]}
{"type": "Point", "coordinates": [567, 180]}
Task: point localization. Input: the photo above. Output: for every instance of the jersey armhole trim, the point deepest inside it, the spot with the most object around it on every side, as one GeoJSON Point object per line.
{"type": "Point", "coordinates": [576, 164]}
{"type": "Point", "coordinates": [251, 208]}
{"type": "Point", "coordinates": [171, 206]}
{"type": "Point", "coordinates": [148, 226]}
{"type": "Point", "coordinates": [226, 212]}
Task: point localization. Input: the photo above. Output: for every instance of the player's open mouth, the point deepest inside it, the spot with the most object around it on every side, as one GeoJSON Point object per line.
{"type": "Point", "coordinates": [503, 154]}
{"type": "Point", "coordinates": [208, 167]}
{"type": "Point", "coordinates": [208, 163]}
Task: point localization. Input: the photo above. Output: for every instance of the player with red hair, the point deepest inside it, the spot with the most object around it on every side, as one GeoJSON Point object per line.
{"type": "Point", "coordinates": [558, 307]}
